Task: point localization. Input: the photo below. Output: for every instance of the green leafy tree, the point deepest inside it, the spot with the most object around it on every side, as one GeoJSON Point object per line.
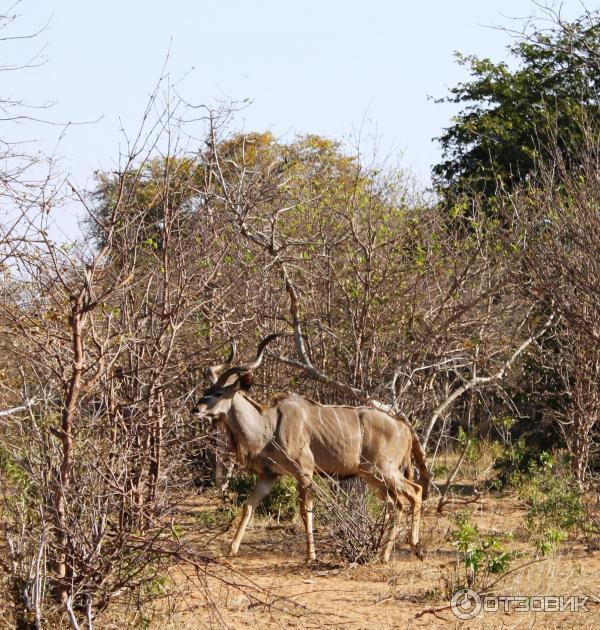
{"type": "Point", "coordinates": [513, 118]}
{"type": "Point", "coordinates": [144, 194]}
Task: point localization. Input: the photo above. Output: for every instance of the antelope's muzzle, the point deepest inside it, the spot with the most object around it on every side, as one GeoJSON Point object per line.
{"type": "Point", "coordinates": [198, 410]}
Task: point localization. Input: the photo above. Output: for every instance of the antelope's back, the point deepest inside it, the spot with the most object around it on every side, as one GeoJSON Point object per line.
{"type": "Point", "coordinates": [329, 435]}
{"type": "Point", "coordinates": [342, 439]}
{"type": "Point", "coordinates": [386, 441]}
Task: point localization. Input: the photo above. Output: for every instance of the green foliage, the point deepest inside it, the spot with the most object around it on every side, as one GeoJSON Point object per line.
{"type": "Point", "coordinates": [516, 460]}
{"type": "Point", "coordinates": [554, 505]}
{"type": "Point", "coordinates": [145, 194]}
{"type": "Point", "coordinates": [553, 500]}
{"type": "Point", "coordinates": [549, 540]}
{"type": "Point", "coordinates": [14, 474]}
{"type": "Point", "coordinates": [281, 503]}
{"type": "Point", "coordinates": [440, 470]}
{"type": "Point", "coordinates": [23, 495]}
{"type": "Point", "coordinates": [481, 560]}
{"type": "Point", "coordinates": [155, 587]}
{"type": "Point", "coordinates": [512, 118]}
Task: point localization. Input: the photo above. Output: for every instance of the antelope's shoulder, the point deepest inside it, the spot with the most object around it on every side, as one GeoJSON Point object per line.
{"type": "Point", "coordinates": [278, 397]}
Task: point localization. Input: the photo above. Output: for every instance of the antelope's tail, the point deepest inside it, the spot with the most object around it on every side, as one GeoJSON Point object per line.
{"type": "Point", "coordinates": [424, 475]}
{"type": "Point", "coordinates": [418, 453]}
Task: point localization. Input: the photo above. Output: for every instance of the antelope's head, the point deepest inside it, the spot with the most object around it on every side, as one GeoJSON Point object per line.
{"type": "Point", "coordinates": [226, 382]}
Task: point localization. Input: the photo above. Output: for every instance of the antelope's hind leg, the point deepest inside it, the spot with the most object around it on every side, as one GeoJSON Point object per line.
{"type": "Point", "coordinates": [262, 488]}
{"type": "Point", "coordinates": [389, 489]}
{"type": "Point", "coordinates": [413, 492]}
{"type": "Point", "coordinates": [306, 511]}
{"type": "Point", "coordinates": [392, 525]}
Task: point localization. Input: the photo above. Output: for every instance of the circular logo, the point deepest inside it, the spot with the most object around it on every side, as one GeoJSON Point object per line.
{"type": "Point", "coordinates": [465, 604]}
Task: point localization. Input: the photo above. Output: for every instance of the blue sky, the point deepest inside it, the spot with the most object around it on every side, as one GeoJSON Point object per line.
{"type": "Point", "coordinates": [330, 67]}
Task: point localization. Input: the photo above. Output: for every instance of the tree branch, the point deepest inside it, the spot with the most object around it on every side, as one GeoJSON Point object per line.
{"type": "Point", "coordinates": [483, 380]}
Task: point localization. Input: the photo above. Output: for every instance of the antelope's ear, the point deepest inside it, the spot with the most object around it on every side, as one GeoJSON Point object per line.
{"type": "Point", "coordinates": [246, 380]}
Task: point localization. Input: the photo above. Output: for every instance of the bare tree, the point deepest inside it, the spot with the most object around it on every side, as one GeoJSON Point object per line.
{"type": "Point", "coordinates": [557, 227]}
{"type": "Point", "coordinates": [100, 339]}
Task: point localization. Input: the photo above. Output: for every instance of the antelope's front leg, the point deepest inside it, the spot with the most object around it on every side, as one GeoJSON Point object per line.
{"type": "Point", "coordinates": [261, 489]}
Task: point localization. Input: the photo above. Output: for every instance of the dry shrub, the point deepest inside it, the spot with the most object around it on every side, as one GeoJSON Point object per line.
{"type": "Point", "coordinates": [352, 517]}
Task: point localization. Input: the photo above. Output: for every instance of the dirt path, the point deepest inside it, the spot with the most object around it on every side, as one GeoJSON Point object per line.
{"type": "Point", "coordinates": [270, 586]}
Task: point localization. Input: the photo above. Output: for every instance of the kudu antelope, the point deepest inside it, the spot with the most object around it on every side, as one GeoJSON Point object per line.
{"type": "Point", "coordinates": [296, 436]}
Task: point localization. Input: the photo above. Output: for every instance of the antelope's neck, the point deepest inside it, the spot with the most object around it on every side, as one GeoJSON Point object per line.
{"type": "Point", "coordinates": [251, 426]}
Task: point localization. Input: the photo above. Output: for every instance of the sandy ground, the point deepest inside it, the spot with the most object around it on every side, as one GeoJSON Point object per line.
{"type": "Point", "coordinates": [269, 585]}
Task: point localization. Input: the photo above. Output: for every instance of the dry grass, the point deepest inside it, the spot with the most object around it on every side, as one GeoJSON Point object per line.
{"type": "Point", "coordinates": [270, 586]}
